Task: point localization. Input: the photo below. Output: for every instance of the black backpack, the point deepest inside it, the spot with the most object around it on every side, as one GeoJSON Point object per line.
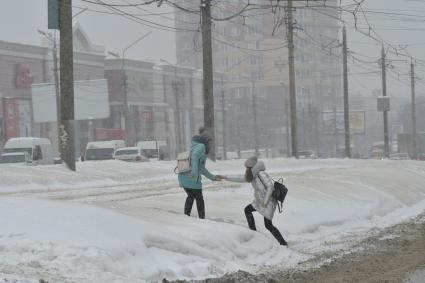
{"type": "Point", "coordinates": [279, 193]}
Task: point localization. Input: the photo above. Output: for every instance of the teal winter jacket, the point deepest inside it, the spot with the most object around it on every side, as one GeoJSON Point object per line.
{"type": "Point", "coordinates": [193, 179]}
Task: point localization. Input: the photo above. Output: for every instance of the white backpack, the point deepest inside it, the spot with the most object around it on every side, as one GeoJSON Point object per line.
{"type": "Point", "coordinates": [183, 162]}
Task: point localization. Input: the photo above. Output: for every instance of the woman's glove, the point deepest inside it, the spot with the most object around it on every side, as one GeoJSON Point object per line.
{"type": "Point", "coordinates": [220, 177]}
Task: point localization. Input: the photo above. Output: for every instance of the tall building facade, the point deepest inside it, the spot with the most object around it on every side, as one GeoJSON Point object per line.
{"type": "Point", "coordinates": [164, 101]}
{"type": "Point", "coordinates": [251, 51]}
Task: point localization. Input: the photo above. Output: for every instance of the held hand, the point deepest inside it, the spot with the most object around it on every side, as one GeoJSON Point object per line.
{"type": "Point", "coordinates": [220, 177]}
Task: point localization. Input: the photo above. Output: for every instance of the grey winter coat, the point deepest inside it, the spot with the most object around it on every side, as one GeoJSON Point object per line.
{"type": "Point", "coordinates": [263, 186]}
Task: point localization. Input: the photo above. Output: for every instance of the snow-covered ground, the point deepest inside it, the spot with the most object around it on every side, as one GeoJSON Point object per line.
{"type": "Point", "coordinates": [123, 222]}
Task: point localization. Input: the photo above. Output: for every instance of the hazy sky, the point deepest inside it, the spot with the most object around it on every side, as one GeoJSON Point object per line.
{"type": "Point", "coordinates": [20, 20]}
{"type": "Point", "coordinates": [400, 23]}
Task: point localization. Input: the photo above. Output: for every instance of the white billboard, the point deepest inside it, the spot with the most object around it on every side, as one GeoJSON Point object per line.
{"type": "Point", "coordinates": [334, 121]}
{"type": "Point", "coordinates": [90, 101]}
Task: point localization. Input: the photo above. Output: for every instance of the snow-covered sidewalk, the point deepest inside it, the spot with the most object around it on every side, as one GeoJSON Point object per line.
{"type": "Point", "coordinates": [126, 224]}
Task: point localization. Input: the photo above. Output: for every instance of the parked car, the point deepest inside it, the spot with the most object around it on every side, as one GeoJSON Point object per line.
{"type": "Point", "coordinates": [399, 156]}
{"type": "Point", "coordinates": [102, 150]}
{"type": "Point", "coordinates": [39, 150]}
{"type": "Point", "coordinates": [307, 154]}
{"type": "Point", "coordinates": [16, 158]}
{"type": "Point", "coordinates": [153, 148]}
{"type": "Point", "coordinates": [131, 154]}
{"type": "Point", "coordinates": [377, 154]}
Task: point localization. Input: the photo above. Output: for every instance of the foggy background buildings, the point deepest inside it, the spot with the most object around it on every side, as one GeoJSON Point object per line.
{"type": "Point", "coordinates": [250, 58]}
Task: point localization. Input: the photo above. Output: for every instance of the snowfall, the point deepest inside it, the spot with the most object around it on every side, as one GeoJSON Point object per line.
{"type": "Point", "coordinates": [113, 221]}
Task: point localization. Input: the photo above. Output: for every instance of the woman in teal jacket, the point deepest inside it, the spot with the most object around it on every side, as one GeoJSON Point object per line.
{"type": "Point", "coordinates": [192, 181]}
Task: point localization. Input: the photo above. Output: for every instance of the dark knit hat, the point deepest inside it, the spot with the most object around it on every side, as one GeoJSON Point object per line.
{"type": "Point", "coordinates": [250, 162]}
{"type": "Point", "coordinates": [205, 139]}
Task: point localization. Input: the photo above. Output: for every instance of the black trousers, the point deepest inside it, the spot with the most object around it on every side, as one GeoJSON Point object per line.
{"type": "Point", "coordinates": [193, 194]}
{"type": "Point", "coordinates": [267, 222]}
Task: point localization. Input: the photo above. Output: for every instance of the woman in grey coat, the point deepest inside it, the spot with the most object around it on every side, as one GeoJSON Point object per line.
{"type": "Point", "coordinates": [263, 202]}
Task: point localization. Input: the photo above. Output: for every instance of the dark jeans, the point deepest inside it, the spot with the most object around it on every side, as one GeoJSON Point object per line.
{"type": "Point", "coordinates": [193, 194]}
{"type": "Point", "coordinates": [268, 223]}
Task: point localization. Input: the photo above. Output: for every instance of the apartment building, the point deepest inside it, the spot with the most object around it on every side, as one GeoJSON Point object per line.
{"type": "Point", "coordinates": [252, 53]}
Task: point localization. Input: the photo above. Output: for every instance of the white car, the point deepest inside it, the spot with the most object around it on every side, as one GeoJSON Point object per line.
{"type": "Point", "coordinates": [22, 158]}
{"type": "Point", "coordinates": [102, 150]}
{"type": "Point", "coordinates": [307, 154]}
{"type": "Point", "coordinates": [40, 150]}
{"type": "Point", "coordinates": [399, 156]}
{"type": "Point", "coordinates": [130, 154]}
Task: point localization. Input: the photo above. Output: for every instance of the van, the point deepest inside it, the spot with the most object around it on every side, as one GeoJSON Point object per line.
{"type": "Point", "coordinates": [21, 158]}
{"type": "Point", "coordinates": [102, 150]}
{"type": "Point", "coordinates": [153, 148]}
{"type": "Point", "coordinates": [40, 150]}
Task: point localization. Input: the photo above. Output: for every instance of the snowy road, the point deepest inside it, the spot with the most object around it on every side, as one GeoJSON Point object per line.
{"type": "Point", "coordinates": [332, 204]}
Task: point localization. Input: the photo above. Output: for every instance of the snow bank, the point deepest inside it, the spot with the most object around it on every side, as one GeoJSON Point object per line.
{"type": "Point", "coordinates": [144, 237]}
{"type": "Point", "coordinates": [114, 172]}
{"type": "Point", "coordinates": [89, 244]}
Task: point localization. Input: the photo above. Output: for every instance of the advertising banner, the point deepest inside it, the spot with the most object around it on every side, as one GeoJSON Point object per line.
{"type": "Point", "coordinates": [10, 118]}
{"type": "Point", "coordinates": [24, 117]}
{"type": "Point", "coordinates": [2, 137]}
{"type": "Point", "coordinates": [357, 122]}
{"type": "Point", "coordinates": [101, 134]}
{"type": "Point", "coordinates": [91, 101]}
{"type": "Point", "coordinates": [333, 122]}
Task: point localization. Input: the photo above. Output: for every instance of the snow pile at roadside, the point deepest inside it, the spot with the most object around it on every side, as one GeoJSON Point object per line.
{"type": "Point", "coordinates": [16, 178]}
{"type": "Point", "coordinates": [331, 204]}
{"type": "Point", "coordinates": [89, 244]}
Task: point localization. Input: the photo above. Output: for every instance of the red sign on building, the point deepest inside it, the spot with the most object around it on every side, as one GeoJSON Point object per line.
{"type": "Point", "coordinates": [101, 134]}
{"type": "Point", "coordinates": [1, 108]}
{"type": "Point", "coordinates": [23, 79]}
{"type": "Point", "coordinates": [1, 121]}
{"type": "Point", "coordinates": [10, 117]}
{"type": "Point", "coordinates": [147, 115]}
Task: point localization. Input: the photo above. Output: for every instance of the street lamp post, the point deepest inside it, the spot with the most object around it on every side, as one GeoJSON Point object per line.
{"type": "Point", "coordinates": [175, 85]}
{"type": "Point", "coordinates": [254, 111]}
{"type": "Point", "coordinates": [223, 113]}
{"type": "Point", "coordinates": [52, 39]}
{"type": "Point", "coordinates": [127, 127]}
{"type": "Point", "coordinates": [287, 116]}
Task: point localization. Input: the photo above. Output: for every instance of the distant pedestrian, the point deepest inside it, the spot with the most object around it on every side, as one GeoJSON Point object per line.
{"type": "Point", "coordinates": [263, 202]}
{"type": "Point", "coordinates": [192, 181]}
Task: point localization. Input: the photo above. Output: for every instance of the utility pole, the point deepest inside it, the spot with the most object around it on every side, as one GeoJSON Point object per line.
{"type": "Point", "coordinates": [192, 106]}
{"type": "Point", "coordinates": [179, 128]}
{"type": "Point", "coordinates": [311, 133]}
{"type": "Point", "coordinates": [316, 130]}
{"type": "Point", "coordinates": [129, 129]}
{"type": "Point", "coordinates": [412, 79]}
{"type": "Point", "coordinates": [384, 93]}
{"type": "Point", "coordinates": [304, 128]}
{"type": "Point", "coordinates": [288, 138]}
{"type": "Point", "coordinates": [223, 113]}
{"type": "Point", "coordinates": [166, 117]}
{"type": "Point", "coordinates": [287, 111]}
{"type": "Point", "coordinates": [66, 84]}
{"type": "Point", "coordinates": [292, 88]}
{"type": "Point", "coordinates": [208, 74]}
{"type": "Point", "coordinates": [254, 111]}
{"type": "Point", "coordinates": [57, 90]}
{"type": "Point", "coordinates": [335, 123]}
{"type": "Point", "coordinates": [346, 101]}
{"type": "Point", "coordinates": [52, 39]}
{"type": "Point", "coordinates": [126, 109]}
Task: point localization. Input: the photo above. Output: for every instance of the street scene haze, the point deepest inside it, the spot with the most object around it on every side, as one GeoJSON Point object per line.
{"type": "Point", "coordinates": [212, 141]}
